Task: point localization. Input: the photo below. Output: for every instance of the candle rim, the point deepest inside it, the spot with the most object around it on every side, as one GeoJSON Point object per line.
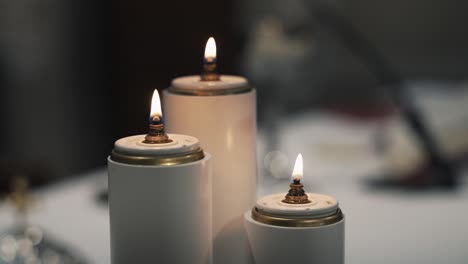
{"type": "Point", "coordinates": [321, 204]}
{"type": "Point", "coordinates": [192, 85]}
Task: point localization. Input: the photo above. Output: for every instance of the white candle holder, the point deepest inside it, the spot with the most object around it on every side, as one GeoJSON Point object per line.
{"type": "Point", "coordinates": [222, 114]}
{"type": "Point", "coordinates": [160, 201]}
{"type": "Point", "coordinates": [281, 232]}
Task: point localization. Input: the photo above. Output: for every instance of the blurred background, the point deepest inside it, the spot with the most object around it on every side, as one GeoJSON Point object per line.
{"type": "Point", "coordinates": [373, 93]}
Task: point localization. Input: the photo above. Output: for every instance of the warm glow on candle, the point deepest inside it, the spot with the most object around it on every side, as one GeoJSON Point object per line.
{"type": "Point", "coordinates": [210, 49]}
{"type": "Point", "coordinates": [156, 105]}
{"type": "Point", "coordinates": [298, 169]}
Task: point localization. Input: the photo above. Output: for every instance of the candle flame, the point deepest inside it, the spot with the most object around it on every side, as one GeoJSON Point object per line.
{"type": "Point", "coordinates": [210, 49]}
{"type": "Point", "coordinates": [298, 169]}
{"type": "Point", "coordinates": [156, 105]}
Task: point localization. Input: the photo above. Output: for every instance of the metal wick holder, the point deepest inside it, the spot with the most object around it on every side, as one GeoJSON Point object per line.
{"type": "Point", "coordinates": [156, 134]}
{"type": "Point", "coordinates": [296, 194]}
{"type": "Point", "coordinates": [209, 70]}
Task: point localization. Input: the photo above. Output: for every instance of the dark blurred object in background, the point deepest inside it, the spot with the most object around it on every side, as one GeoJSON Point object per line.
{"type": "Point", "coordinates": [308, 35]}
{"type": "Point", "coordinates": [55, 106]}
{"type": "Point", "coordinates": [79, 75]}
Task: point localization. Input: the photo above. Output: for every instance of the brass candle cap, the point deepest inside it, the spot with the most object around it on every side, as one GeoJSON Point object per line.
{"type": "Point", "coordinates": [156, 135]}
{"type": "Point", "coordinates": [278, 220]}
{"type": "Point", "coordinates": [296, 194]}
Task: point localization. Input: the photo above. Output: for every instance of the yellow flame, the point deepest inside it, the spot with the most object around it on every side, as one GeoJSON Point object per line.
{"type": "Point", "coordinates": [156, 104]}
{"type": "Point", "coordinates": [210, 49]}
{"type": "Point", "coordinates": [298, 168]}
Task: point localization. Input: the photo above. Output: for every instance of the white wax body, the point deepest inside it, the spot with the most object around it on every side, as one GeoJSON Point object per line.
{"type": "Point", "coordinates": [160, 214]}
{"type": "Point", "coordinates": [277, 244]}
{"type": "Point", "coordinates": [226, 127]}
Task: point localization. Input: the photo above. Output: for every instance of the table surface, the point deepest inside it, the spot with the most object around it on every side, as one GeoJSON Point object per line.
{"type": "Point", "coordinates": [381, 227]}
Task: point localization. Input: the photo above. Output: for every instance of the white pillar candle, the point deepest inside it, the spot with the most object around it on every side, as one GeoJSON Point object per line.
{"type": "Point", "coordinates": [306, 231]}
{"type": "Point", "coordinates": [160, 200]}
{"type": "Point", "coordinates": [220, 110]}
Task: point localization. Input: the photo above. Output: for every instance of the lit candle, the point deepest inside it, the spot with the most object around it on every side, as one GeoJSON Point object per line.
{"type": "Point", "coordinates": [298, 169]}
{"type": "Point", "coordinates": [156, 133]}
{"type": "Point", "coordinates": [220, 110]}
{"type": "Point", "coordinates": [209, 62]}
{"type": "Point", "coordinates": [159, 197]}
{"type": "Point", "coordinates": [298, 227]}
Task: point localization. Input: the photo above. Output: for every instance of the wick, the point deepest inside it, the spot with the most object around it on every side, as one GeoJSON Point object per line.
{"type": "Point", "coordinates": [209, 72]}
{"type": "Point", "coordinates": [156, 120]}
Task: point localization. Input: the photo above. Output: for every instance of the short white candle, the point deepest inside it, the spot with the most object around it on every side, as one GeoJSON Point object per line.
{"type": "Point", "coordinates": [283, 230]}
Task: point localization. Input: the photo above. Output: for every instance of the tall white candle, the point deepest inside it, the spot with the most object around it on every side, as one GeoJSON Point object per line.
{"type": "Point", "coordinates": [220, 110]}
